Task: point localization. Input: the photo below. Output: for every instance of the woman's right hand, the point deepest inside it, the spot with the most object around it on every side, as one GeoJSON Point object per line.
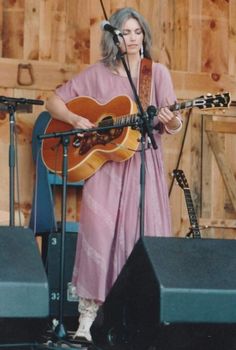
{"type": "Point", "coordinates": [79, 122]}
{"type": "Point", "coordinates": [58, 110]}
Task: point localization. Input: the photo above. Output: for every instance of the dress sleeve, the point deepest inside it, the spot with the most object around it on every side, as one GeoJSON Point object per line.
{"type": "Point", "coordinates": [69, 90]}
{"type": "Point", "coordinates": [82, 84]}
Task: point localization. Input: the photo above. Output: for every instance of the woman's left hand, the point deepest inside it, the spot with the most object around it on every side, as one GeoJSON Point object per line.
{"type": "Point", "coordinates": [168, 118]}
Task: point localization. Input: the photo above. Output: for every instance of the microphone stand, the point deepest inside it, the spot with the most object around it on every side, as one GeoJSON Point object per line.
{"type": "Point", "coordinates": [11, 105]}
{"type": "Point", "coordinates": [12, 109]}
{"type": "Point", "coordinates": [145, 130]}
{"type": "Point", "coordinates": [60, 330]}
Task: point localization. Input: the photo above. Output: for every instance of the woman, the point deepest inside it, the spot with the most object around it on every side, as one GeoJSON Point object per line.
{"type": "Point", "coordinates": [109, 217]}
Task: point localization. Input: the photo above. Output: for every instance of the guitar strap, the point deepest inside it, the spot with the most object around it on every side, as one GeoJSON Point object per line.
{"type": "Point", "coordinates": [145, 82]}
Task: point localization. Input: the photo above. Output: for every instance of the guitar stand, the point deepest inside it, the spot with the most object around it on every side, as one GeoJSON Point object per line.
{"type": "Point", "coordinates": [11, 105]}
{"type": "Point", "coordinates": [190, 234]}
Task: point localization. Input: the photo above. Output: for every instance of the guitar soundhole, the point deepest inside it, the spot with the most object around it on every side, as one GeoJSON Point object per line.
{"type": "Point", "coordinates": [107, 121]}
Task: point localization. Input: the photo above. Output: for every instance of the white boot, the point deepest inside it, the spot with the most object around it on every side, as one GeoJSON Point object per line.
{"type": "Point", "coordinates": [88, 312]}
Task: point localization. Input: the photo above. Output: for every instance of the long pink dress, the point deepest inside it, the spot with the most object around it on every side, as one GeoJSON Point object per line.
{"type": "Point", "coordinates": [109, 219]}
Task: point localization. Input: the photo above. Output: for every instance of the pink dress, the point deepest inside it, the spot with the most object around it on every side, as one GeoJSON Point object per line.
{"type": "Point", "coordinates": [109, 218]}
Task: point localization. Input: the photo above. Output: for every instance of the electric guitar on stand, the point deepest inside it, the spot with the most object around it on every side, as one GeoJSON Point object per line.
{"type": "Point", "coordinates": [182, 182]}
{"type": "Point", "coordinates": [118, 135]}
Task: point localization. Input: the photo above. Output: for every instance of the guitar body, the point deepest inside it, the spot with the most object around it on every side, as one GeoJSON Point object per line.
{"type": "Point", "coordinates": [88, 153]}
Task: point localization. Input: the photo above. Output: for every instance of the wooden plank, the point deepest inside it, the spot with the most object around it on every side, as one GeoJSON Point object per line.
{"type": "Point", "coordinates": [5, 218]}
{"type": "Point", "coordinates": [217, 223]}
{"type": "Point", "coordinates": [58, 22]}
{"type": "Point", "coordinates": [232, 37]}
{"type": "Point", "coordinates": [160, 29]}
{"type": "Point", "coordinates": [194, 36]}
{"type": "Point", "coordinates": [224, 166]}
{"type": "Point", "coordinates": [52, 34]}
{"type": "Point", "coordinates": [218, 185]}
{"type": "Point", "coordinates": [47, 75]}
{"type": "Point", "coordinates": [220, 126]}
{"type": "Point", "coordinates": [4, 155]}
{"type": "Point", "coordinates": [13, 29]}
{"type": "Point", "coordinates": [230, 144]}
{"type": "Point", "coordinates": [72, 208]}
{"type": "Point", "coordinates": [31, 27]}
{"type": "Point", "coordinates": [215, 48]}
{"type": "Point", "coordinates": [223, 115]}
{"type": "Point", "coordinates": [206, 171]}
{"type": "Point", "coordinates": [96, 17]}
{"type": "Point", "coordinates": [162, 32]}
{"type": "Point", "coordinates": [190, 84]}
{"type": "Point", "coordinates": [45, 30]}
{"type": "Point", "coordinates": [1, 26]}
{"type": "Point", "coordinates": [170, 32]}
{"type": "Point", "coordinates": [180, 38]}
{"type": "Point", "coordinates": [178, 212]}
{"type": "Point", "coordinates": [116, 4]}
{"type": "Point", "coordinates": [195, 159]}
{"type": "Point", "coordinates": [78, 29]}
{"type": "Point", "coordinates": [12, 5]}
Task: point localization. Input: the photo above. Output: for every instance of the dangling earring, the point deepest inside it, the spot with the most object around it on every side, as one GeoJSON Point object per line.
{"type": "Point", "coordinates": [141, 52]}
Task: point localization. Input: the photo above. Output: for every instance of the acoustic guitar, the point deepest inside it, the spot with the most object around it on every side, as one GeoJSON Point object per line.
{"type": "Point", "coordinates": [88, 152]}
{"type": "Point", "coordinates": [183, 183]}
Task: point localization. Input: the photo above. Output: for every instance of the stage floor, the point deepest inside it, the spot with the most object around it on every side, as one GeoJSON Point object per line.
{"type": "Point", "coordinates": [38, 334]}
{"type": "Point", "coordinates": [25, 334]}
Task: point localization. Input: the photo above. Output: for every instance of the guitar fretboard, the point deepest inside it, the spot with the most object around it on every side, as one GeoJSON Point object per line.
{"type": "Point", "coordinates": [181, 105]}
{"type": "Point", "coordinates": [191, 212]}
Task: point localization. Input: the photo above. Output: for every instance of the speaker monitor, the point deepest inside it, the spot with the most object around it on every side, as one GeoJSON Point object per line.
{"type": "Point", "coordinates": [167, 283]}
{"type": "Point", "coordinates": [70, 301]}
{"type": "Point", "coordinates": [23, 281]}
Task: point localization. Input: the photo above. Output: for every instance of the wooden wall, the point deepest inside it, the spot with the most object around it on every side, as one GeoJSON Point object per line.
{"type": "Point", "coordinates": [44, 42]}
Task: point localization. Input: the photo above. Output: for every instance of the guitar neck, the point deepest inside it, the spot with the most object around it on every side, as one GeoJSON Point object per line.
{"type": "Point", "coordinates": [191, 212]}
{"type": "Point", "coordinates": [134, 118]}
{"type": "Point", "coordinates": [203, 102]}
{"type": "Point", "coordinates": [182, 105]}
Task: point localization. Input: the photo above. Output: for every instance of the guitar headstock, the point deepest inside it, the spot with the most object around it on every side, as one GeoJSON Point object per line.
{"type": "Point", "coordinates": [180, 178]}
{"type": "Point", "coordinates": [212, 101]}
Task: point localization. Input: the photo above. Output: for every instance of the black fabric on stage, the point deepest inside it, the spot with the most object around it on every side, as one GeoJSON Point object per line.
{"type": "Point", "coordinates": [23, 281]}
{"type": "Point", "coordinates": [172, 293]}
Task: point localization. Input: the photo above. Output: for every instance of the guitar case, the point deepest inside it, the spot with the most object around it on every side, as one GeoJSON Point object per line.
{"type": "Point", "coordinates": [42, 219]}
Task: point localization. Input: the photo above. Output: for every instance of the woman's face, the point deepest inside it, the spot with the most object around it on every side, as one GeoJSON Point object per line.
{"type": "Point", "coordinates": [133, 36]}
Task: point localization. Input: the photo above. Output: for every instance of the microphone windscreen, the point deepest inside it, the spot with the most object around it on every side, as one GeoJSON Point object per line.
{"type": "Point", "coordinates": [103, 23]}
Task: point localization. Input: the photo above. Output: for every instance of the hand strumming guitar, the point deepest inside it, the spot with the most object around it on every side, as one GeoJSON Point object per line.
{"type": "Point", "coordinates": [58, 110]}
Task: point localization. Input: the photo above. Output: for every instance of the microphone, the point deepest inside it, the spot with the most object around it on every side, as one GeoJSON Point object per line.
{"type": "Point", "coordinates": [4, 99]}
{"type": "Point", "coordinates": [107, 27]}
{"type": "Point", "coordinates": [151, 111]}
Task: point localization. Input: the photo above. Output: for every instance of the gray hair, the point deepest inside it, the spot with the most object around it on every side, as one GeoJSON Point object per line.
{"type": "Point", "coordinates": [109, 50]}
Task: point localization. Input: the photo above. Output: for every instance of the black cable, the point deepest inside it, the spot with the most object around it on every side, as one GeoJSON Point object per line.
{"type": "Point", "coordinates": [103, 9]}
{"type": "Point", "coordinates": [181, 149]}
{"type": "Point", "coordinates": [17, 178]}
